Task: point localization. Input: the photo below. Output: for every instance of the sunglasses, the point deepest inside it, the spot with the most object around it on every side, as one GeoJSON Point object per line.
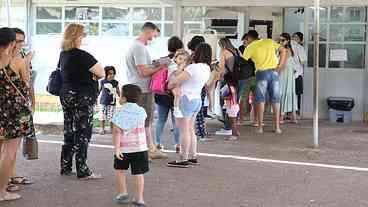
{"type": "Point", "coordinates": [282, 40]}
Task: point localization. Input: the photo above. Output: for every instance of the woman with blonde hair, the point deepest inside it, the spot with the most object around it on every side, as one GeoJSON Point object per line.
{"type": "Point", "coordinates": [80, 72]}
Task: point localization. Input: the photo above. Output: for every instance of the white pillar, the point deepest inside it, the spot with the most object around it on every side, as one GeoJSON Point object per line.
{"type": "Point", "coordinates": [8, 6]}
{"type": "Point", "coordinates": [178, 19]}
{"type": "Point", "coordinates": [316, 74]}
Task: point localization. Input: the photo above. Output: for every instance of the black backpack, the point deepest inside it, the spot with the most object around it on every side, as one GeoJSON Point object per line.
{"type": "Point", "coordinates": [242, 69]}
{"type": "Point", "coordinates": [55, 82]}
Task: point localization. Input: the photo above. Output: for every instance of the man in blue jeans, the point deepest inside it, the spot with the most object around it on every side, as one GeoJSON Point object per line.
{"type": "Point", "coordinates": [263, 52]}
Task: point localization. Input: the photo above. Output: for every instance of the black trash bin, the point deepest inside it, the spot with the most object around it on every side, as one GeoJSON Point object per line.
{"type": "Point", "coordinates": [339, 109]}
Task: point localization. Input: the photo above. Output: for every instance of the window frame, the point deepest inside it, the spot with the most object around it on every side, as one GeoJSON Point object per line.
{"type": "Point", "coordinates": [328, 41]}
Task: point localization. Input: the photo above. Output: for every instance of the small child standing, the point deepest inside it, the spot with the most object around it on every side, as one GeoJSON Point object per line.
{"type": "Point", "coordinates": [231, 104]}
{"type": "Point", "coordinates": [182, 60]}
{"type": "Point", "coordinates": [109, 88]}
{"type": "Point", "coordinates": [131, 149]}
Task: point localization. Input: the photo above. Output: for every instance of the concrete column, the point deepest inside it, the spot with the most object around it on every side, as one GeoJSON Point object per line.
{"type": "Point", "coordinates": [178, 19]}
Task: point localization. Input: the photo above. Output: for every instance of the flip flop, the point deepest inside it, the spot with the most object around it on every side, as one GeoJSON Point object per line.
{"type": "Point", "coordinates": [10, 197]}
{"type": "Point", "coordinates": [20, 180]}
{"type": "Point", "coordinates": [12, 188]}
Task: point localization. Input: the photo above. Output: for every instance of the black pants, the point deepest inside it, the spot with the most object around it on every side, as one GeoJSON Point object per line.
{"type": "Point", "coordinates": [78, 123]}
{"type": "Point", "coordinates": [299, 91]}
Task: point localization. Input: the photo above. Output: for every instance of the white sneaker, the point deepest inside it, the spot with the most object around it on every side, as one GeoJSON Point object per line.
{"type": "Point", "coordinates": [224, 132]}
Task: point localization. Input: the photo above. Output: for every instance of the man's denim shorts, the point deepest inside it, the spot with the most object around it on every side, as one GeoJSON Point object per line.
{"type": "Point", "coordinates": [268, 82]}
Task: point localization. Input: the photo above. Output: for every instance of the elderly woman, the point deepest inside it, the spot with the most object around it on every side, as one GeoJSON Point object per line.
{"type": "Point", "coordinates": [80, 72]}
{"type": "Point", "coordinates": [191, 82]}
{"type": "Point", "coordinates": [15, 111]}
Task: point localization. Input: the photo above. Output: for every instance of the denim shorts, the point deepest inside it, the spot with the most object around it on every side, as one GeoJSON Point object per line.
{"type": "Point", "coordinates": [267, 82]}
{"type": "Point", "coordinates": [189, 108]}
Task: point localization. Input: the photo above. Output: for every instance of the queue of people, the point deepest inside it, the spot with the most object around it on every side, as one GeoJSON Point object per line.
{"type": "Point", "coordinates": [191, 77]}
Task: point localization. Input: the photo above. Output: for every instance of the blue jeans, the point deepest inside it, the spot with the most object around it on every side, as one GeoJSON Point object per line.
{"type": "Point", "coordinates": [163, 113]}
{"type": "Point", "coordinates": [268, 82]}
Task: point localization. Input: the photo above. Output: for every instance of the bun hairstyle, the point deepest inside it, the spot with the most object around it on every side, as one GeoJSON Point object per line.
{"type": "Point", "coordinates": [7, 36]}
{"type": "Point", "coordinates": [195, 41]}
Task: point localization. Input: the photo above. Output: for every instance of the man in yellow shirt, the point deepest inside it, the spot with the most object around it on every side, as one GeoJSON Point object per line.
{"type": "Point", "coordinates": [263, 53]}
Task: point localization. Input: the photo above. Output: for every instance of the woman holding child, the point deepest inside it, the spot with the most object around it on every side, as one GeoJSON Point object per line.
{"type": "Point", "coordinates": [191, 81]}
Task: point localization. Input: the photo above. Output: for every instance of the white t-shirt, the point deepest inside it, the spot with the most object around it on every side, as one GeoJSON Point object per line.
{"type": "Point", "coordinates": [199, 75]}
{"type": "Point", "coordinates": [300, 57]}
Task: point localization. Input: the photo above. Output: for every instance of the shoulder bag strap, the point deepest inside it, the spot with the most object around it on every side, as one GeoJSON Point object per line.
{"type": "Point", "coordinates": [14, 86]}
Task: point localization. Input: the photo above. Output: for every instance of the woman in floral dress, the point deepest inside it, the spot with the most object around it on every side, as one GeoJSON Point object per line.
{"type": "Point", "coordinates": [15, 110]}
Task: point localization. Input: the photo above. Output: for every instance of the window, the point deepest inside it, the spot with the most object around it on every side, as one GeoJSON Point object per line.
{"type": "Point", "coordinates": [193, 18]}
{"type": "Point", "coordinates": [49, 20]}
{"type": "Point", "coordinates": [113, 20]}
{"type": "Point", "coordinates": [342, 28]}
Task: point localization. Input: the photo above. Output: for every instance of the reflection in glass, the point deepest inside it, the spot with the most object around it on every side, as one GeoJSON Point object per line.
{"type": "Point", "coordinates": [146, 14]}
{"type": "Point", "coordinates": [115, 29]}
{"type": "Point", "coordinates": [113, 13]}
{"type": "Point", "coordinates": [49, 13]}
{"type": "Point", "coordinates": [188, 27]}
{"type": "Point", "coordinates": [322, 55]}
{"type": "Point", "coordinates": [82, 13]}
{"type": "Point", "coordinates": [45, 28]}
{"type": "Point", "coordinates": [193, 14]}
{"type": "Point", "coordinates": [90, 28]}
{"type": "Point", "coordinates": [169, 30]}
{"type": "Point", "coordinates": [322, 13]}
{"type": "Point", "coordinates": [169, 13]}
{"type": "Point", "coordinates": [323, 32]}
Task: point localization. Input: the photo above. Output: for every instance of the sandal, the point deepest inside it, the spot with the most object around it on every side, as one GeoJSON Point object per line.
{"type": "Point", "coordinates": [19, 180]}
{"type": "Point", "coordinates": [12, 188]}
{"type": "Point", "coordinates": [10, 197]}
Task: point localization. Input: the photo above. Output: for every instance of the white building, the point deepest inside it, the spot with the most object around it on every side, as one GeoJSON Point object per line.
{"type": "Point", "coordinates": [112, 24]}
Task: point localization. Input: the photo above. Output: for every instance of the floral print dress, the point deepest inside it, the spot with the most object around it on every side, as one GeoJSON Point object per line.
{"type": "Point", "coordinates": [15, 113]}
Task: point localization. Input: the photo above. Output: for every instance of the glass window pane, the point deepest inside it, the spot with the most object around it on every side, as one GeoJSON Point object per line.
{"type": "Point", "coordinates": [322, 14]}
{"type": "Point", "coordinates": [355, 33]}
{"type": "Point", "coordinates": [49, 13]}
{"type": "Point", "coordinates": [193, 14]}
{"type": "Point", "coordinates": [137, 28]}
{"type": "Point", "coordinates": [356, 56]}
{"type": "Point", "coordinates": [147, 14]}
{"type": "Point", "coordinates": [82, 13]}
{"type": "Point", "coordinates": [45, 28]}
{"type": "Point", "coordinates": [323, 32]}
{"type": "Point", "coordinates": [336, 33]}
{"type": "Point", "coordinates": [169, 13]}
{"type": "Point", "coordinates": [356, 14]}
{"type": "Point", "coordinates": [113, 13]}
{"type": "Point", "coordinates": [188, 27]}
{"type": "Point", "coordinates": [322, 55]}
{"type": "Point", "coordinates": [90, 28]}
{"type": "Point", "coordinates": [169, 30]}
{"type": "Point", "coordinates": [337, 14]}
{"type": "Point", "coordinates": [115, 29]}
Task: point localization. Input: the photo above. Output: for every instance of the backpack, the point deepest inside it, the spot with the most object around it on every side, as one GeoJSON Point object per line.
{"type": "Point", "coordinates": [242, 69]}
{"type": "Point", "coordinates": [159, 82]}
{"type": "Point", "coordinates": [55, 83]}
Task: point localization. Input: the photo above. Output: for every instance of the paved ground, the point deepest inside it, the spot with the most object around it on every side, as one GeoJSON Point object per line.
{"type": "Point", "coordinates": [223, 182]}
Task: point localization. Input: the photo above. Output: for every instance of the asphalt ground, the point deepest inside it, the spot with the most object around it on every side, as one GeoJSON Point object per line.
{"type": "Point", "coordinates": [257, 171]}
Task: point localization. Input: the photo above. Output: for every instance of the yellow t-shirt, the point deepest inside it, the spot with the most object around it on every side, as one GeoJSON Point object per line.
{"type": "Point", "coordinates": [263, 54]}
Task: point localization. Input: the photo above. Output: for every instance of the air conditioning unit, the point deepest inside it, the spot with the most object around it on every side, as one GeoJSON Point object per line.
{"type": "Point", "coordinates": [225, 22]}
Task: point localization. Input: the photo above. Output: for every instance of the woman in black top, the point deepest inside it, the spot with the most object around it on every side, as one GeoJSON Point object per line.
{"type": "Point", "coordinates": [80, 72]}
{"type": "Point", "coordinates": [165, 103]}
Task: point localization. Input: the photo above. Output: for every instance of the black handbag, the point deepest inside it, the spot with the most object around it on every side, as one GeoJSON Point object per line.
{"type": "Point", "coordinates": [55, 82]}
